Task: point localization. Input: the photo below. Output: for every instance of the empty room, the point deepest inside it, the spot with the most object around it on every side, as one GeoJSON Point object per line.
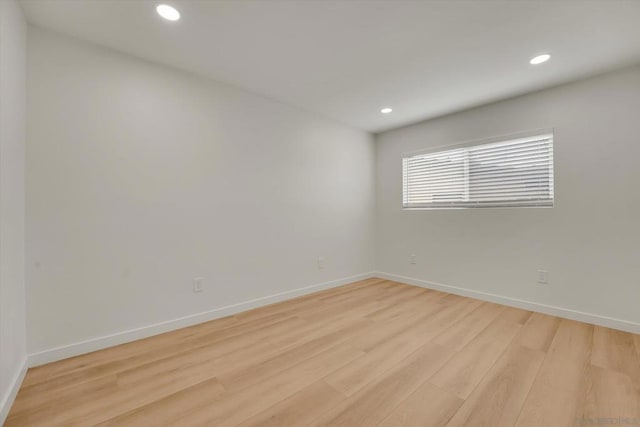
{"type": "Point", "coordinates": [393, 213]}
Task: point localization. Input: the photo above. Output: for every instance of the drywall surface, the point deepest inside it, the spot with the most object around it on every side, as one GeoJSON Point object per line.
{"type": "Point", "coordinates": [588, 242]}
{"type": "Point", "coordinates": [141, 178]}
{"type": "Point", "coordinates": [12, 147]}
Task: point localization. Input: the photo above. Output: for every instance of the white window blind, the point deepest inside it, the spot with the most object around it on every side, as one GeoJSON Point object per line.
{"type": "Point", "coordinates": [511, 173]}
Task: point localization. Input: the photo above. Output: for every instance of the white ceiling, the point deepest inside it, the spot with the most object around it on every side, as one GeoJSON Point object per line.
{"type": "Point", "coordinates": [346, 59]}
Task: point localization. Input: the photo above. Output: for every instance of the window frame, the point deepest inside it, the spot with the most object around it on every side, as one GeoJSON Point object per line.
{"type": "Point", "coordinates": [545, 132]}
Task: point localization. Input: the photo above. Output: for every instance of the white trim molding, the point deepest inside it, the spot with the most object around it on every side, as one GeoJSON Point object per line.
{"type": "Point", "coordinates": [99, 343]}
{"type": "Point", "coordinates": [595, 319]}
{"type": "Point", "coordinates": [10, 396]}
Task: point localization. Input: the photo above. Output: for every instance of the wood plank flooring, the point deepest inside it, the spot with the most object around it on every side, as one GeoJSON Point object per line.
{"type": "Point", "coordinates": [371, 353]}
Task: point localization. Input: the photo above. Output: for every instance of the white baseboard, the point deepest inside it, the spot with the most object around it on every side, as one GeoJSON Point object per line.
{"type": "Point", "coordinates": [566, 313]}
{"type": "Point", "coordinates": [111, 340]}
{"type": "Point", "coordinates": [10, 395]}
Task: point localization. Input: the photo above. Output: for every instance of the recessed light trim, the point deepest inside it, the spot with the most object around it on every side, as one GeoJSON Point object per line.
{"type": "Point", "coordinates": [169, 13]}
{"type": "Point", "coordinates": [540, 59]}
{"type": "Point", "coordinates": [386, 110]}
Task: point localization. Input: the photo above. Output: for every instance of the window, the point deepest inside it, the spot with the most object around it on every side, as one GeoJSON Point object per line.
{"type": "Point", "coordinates": [508, 173]}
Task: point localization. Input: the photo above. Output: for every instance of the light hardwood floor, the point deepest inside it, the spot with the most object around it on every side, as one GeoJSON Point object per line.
{"type": "Point", "coordinates": [372, 353]}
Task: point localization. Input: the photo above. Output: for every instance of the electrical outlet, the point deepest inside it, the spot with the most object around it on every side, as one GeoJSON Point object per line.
{"type": "Point", "coordinates": [412, 259]}
{"type": "Point", "coordinates": [321, 263]}
{"type": "Point", "coordinates": [198, 285]}
{"type": "Point", "coordinates": [543, 276]}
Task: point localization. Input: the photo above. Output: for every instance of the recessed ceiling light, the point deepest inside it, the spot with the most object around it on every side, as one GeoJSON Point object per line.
{"type": "Point", "coordinates": [386, 110]}
{"type": "Point", "coordinates": [540, 59]}
{"type": "Point", "coordinates": [169, 13]}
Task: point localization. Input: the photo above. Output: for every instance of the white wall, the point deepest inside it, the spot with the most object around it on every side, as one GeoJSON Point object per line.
{"type": "Point", "coordinates": [12, 141]}
{"type": "Point", "coordinates": [589, 242]}
{"type": "Point", "coordinates": [141, 177]}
